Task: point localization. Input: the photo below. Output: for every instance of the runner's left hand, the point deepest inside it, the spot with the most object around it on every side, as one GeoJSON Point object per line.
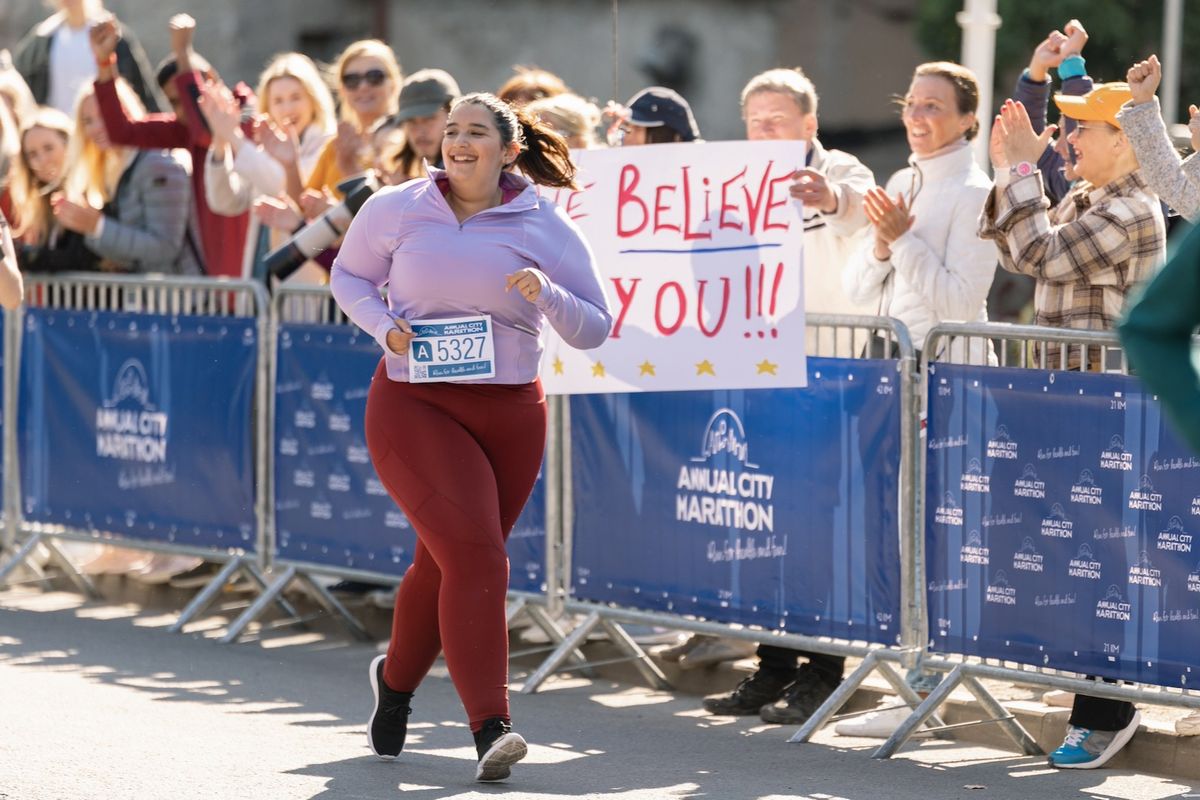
{"type": "Point", "coordinates": [526, 281]}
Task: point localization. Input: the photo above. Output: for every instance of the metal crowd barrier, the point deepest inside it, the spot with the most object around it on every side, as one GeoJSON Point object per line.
{"type": "Point", "coordinates": [104, 297]}
{"type": "Point", "coordinates": [1043, 350]}
{"type": "Point", "coordinates": [833, 336]}
{"type": "Point", "coordinates": [375, 541]}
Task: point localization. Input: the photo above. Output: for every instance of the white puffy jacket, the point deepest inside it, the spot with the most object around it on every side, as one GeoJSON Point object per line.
{"type": "Point", "coordinates": [940, 270]}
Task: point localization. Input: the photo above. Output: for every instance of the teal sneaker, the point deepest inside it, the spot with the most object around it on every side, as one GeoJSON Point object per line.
{"type": "Point", "coordinates": [1084, 748]}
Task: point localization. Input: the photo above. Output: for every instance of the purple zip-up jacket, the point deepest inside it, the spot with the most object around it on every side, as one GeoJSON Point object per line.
{"type": "Point", "coordinates": [408, 238]}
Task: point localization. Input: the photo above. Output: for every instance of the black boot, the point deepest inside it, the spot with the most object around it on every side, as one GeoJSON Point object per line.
{"type": "Point", "coordinates": [762, 688]}
{"type": "Point", "coordinates": [388, 725]}
{"type": "Point", "coordinates": [498, 748]}
{"type": "Point", "coordinates": [811, 689]}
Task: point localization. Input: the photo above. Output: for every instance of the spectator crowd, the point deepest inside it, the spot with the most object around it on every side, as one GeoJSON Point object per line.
{"type": "Point", "coordinates": [108, 164]}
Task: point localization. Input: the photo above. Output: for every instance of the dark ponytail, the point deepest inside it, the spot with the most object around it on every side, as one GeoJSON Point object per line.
{"type": "Point", "coordinates": [545, 157]}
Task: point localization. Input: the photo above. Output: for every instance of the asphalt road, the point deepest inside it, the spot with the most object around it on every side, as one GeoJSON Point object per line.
{"type": "Point", "coordinates": [99, 701]}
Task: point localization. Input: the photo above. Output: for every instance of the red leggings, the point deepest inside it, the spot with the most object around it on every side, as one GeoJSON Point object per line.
{"type": "Point", "coordinates": [460, 460]}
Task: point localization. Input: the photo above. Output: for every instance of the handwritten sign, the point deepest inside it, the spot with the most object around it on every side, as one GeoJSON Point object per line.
{"type": "Point", "coordinates": [700, 251]}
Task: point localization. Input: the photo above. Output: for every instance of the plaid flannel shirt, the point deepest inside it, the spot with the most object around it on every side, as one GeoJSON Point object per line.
{"type": "Point", "coordinates": [1085, 254]}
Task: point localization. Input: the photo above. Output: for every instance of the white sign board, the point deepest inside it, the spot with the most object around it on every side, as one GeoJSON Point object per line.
{"type": "Point", "coordinates": [700, 252]}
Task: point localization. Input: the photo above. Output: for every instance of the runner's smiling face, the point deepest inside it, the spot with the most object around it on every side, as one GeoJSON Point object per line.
{"type": "Point", "coordinates": [472, 150]}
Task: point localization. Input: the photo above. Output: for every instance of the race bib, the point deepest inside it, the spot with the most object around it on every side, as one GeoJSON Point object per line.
{"type": "Point", "coordinates": [452, 349]}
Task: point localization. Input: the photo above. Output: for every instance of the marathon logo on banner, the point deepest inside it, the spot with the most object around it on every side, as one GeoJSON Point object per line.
{"type": "Point", "coordinates": [1144, 498]}
{"type": "Point", "coordinates": [1028, 484]}
{"type": "Point", "coordinates": [711, 492]}
{"type": "Point", "coordinates": [1085, 491]}
{"type": "Point", "coordinates": [974, 551]}
{"type": "Point", "coordinates": [1057, 526]}
{"type": "Point", "coordinates": [973, 480]}
{"type": "Point", "coordinates": [1144, 573]}
{"type": "Point", "coordinates": [1113, 606]}
{"type": "Point", "coordinates": [1115, 456]}
{"type": "Point", "coordinates": [1028, 559]}
{"type": "Point", "coordinates": [699, 246]}
{"type": "Point", "coordinates": [1001, 446]}
{"type": "Point", "coordinates": [1193, 580]}
{"type": "Point", "coordinates": [999, 591]}
{"type": "Point", "coordinates": [1085, 565]}
{"type": "Point", "coordinates": [1175, 537]}
{"type": "Point", "coordinates": [949, 512]}
{"type": "Point", "coordinates": [131, 429]}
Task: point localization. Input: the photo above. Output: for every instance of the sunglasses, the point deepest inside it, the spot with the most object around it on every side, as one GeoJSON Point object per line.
{"type": "Point", "coordinates": [372, 77]}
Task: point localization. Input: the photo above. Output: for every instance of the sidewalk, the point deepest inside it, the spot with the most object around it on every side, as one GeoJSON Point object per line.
{"type": "Point", "coordinates": [99, 701]}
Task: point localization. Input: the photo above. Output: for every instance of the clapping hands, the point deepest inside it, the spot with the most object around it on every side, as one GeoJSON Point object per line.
{"type": "Point", "coordinates": [891, 219]}
{"type": "Point", "coordinates": [1013, 138]}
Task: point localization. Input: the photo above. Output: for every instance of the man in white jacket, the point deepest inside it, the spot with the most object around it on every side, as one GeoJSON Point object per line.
{"type": "Point", "coordinates": [781, 104]}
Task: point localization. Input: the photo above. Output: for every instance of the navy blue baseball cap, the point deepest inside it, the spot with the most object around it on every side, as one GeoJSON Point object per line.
{"type": "Point", "coordinates": [658, 106]}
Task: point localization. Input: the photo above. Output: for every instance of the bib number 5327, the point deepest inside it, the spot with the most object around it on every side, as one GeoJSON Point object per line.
{"type": "Point", "coordinates": [452, 349]}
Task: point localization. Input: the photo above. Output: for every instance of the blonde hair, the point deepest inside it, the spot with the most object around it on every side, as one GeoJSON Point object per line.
{"type": "Point", "coordinates": [92, 174]}
{"type": "Point", "coordinates": [31, 198]}
{"type": "Point", "coordinates": [301, 68]}
{"type": "Point", "coordinates": [370, 48]}
{"type": "Point", "coordinates": [529, 84]}
{"type": "Point", "coordinates": [16, 91]}
{"type": "Point", "coordinates": [10, 143]}
{"type": "Point", "coordinates": [792, 82]}
{"type": "Point", "coordinates": [570, 115]}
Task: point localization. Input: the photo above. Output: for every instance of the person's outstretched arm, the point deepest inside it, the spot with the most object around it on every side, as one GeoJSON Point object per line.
{"type": "Point", "coordinates": [1141, 120]}
{"type": "Point", "coordinates": [155, 131]}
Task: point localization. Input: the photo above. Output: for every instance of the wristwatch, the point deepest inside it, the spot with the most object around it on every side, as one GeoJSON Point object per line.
{"type": "Point", "coordinates": [1022, 169]}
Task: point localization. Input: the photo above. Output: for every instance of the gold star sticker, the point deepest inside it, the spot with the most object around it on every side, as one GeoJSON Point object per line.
{"type": "Point", "coordinates": [647, 368]}
{"type": "Point", "coordinates": [767, 368]}
{"type": "Point", "coordinates": [705, 367]}
{"type": "Point", "coordinates": [597, 370]}
{"type": "Point", "coordinates": [558, 366]}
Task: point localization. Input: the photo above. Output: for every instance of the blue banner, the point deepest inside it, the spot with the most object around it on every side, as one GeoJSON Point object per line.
{"type": "Point", "coordinates": [139, 425]}
{"type": "Point", "coordinates": [768, 507]}
{"type": "Point", "coordinates": [1060, 516]}
{"type": "Point", "coordinates": [331, 509]}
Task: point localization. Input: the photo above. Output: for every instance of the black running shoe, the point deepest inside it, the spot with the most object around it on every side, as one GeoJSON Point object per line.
{"type": "Point", "coordinates": [388, 724]}
{"type": "Point", "coordinates": [498, 748]}
{"type": "Point", "coordinates": [754, 692]}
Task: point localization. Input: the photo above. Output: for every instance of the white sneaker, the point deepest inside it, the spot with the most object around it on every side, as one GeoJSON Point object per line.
{"type": "Point", "coordinates": [879, 724]}
{"type": "Point", "coordinates": [1059, 698]}
{"type": "Point", "coordinates": [1189, 725]}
